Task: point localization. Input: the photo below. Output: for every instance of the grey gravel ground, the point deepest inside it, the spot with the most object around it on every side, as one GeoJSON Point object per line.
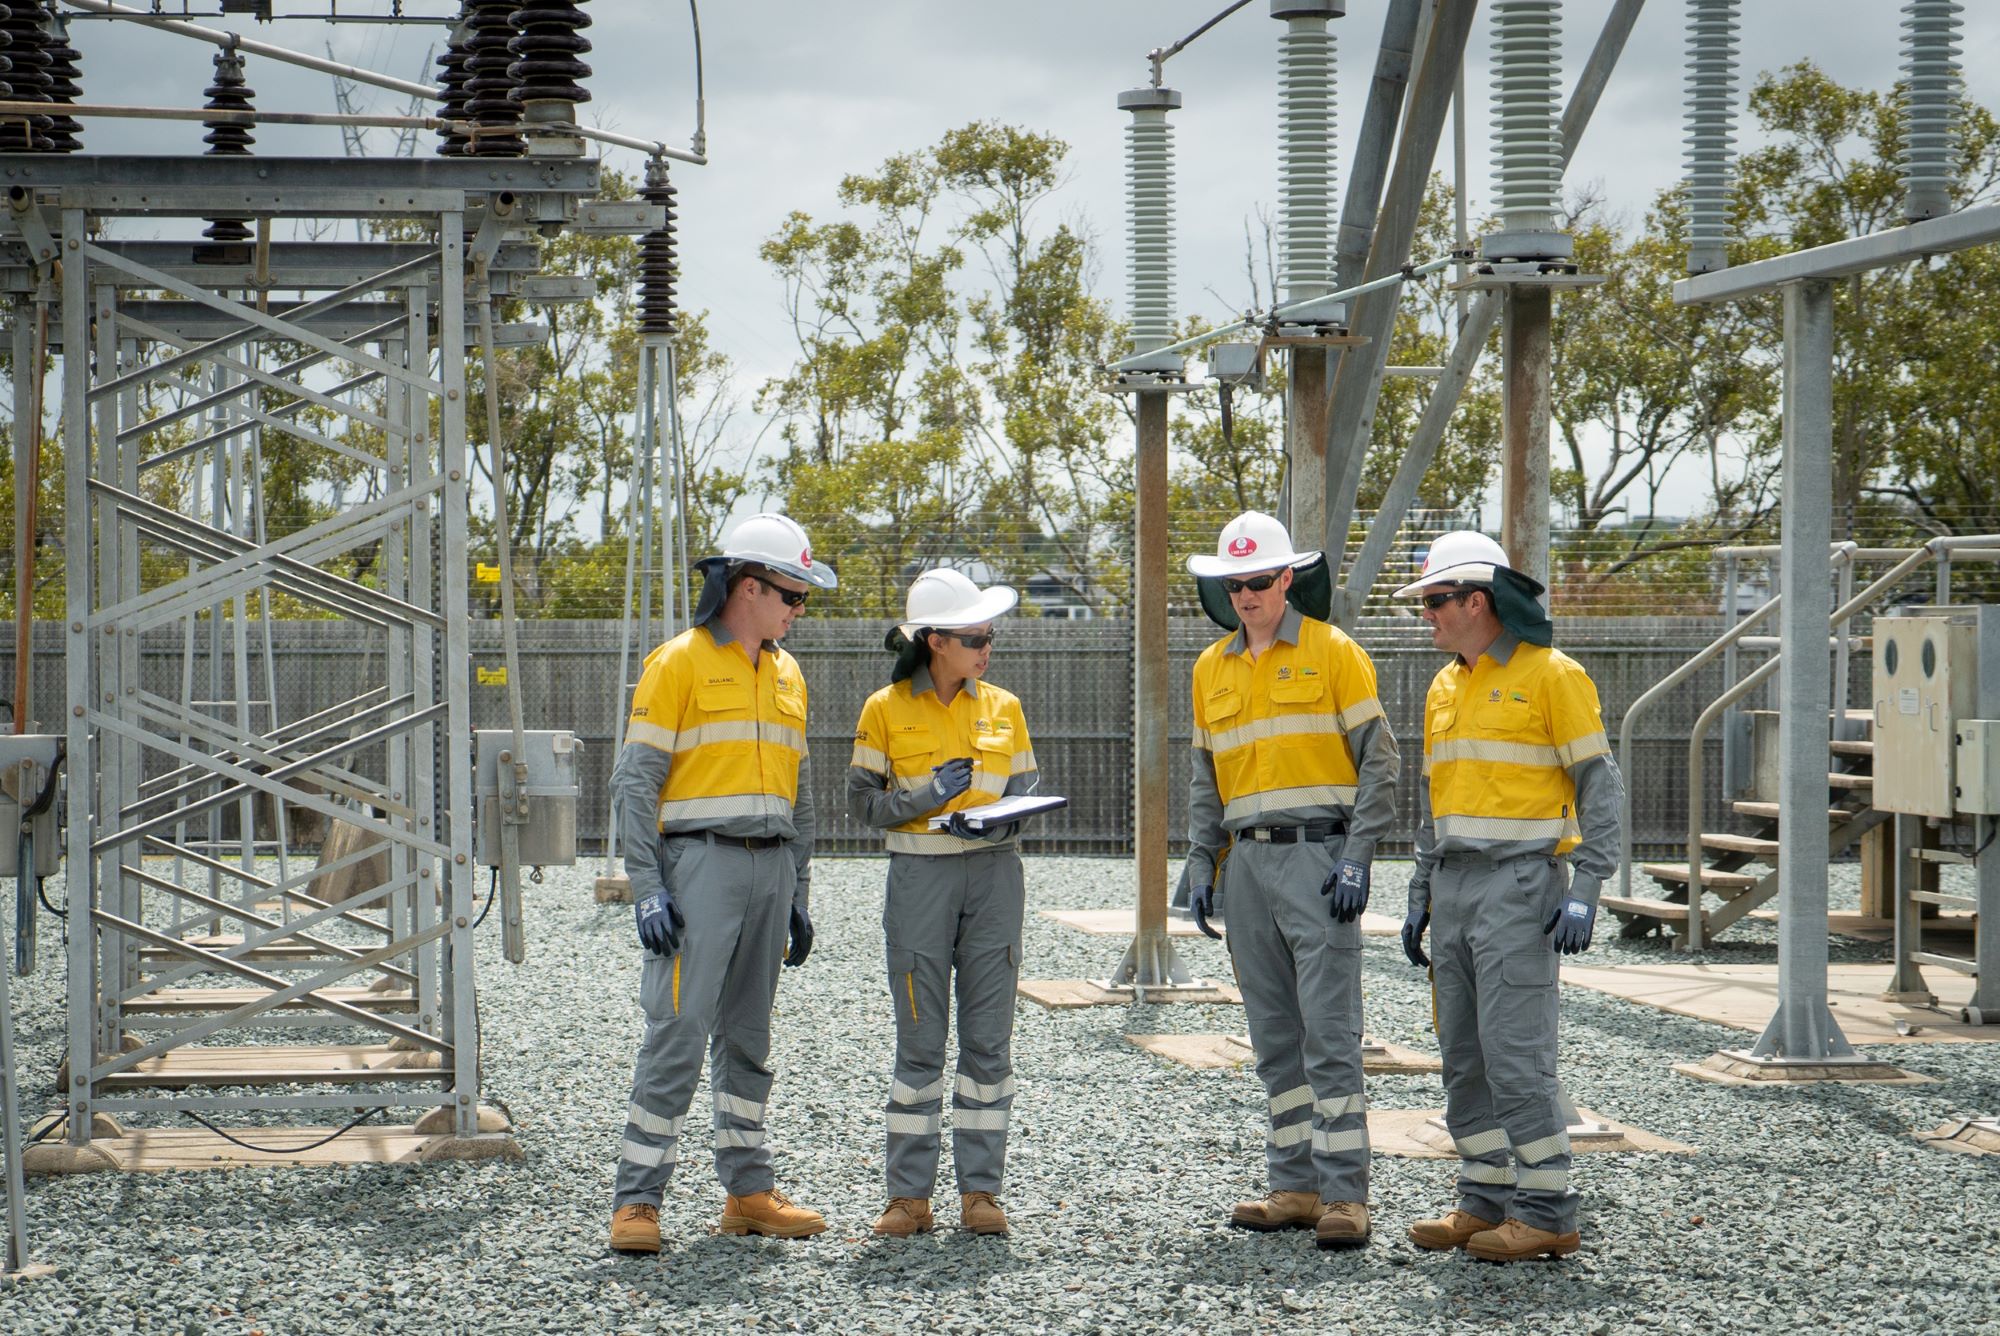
{"type": "Point", "coordinates": [1807, 1208]}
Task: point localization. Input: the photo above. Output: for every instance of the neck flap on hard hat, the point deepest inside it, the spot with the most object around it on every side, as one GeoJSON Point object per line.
{"type": "Point", "coordinates": [1311, 593]}
{"type": "Point", "coordinates": [1517, 604]}
{"type": "Point", "coordinates": [714, 588]}
{"type": "Point", "coordinates": [911, 654]}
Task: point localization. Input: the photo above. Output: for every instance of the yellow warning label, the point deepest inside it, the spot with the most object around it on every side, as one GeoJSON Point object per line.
{"type": "Point", "coordinates": [484, 574]}
{"type": "Point", "coordinates": [491, 677]}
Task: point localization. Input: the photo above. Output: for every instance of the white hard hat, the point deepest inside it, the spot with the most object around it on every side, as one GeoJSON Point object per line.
{"type": "Point", "coordinates": [776, 541]}
{"type": "Point", "coordinates": [1459, 557]}
{"type": "Point", "coordinates": [945, 598]}
{"type": "Point", "coordinates": [1253, 541]}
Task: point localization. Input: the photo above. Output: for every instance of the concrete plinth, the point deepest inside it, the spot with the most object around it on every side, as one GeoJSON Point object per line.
{"type": "Point", "coordinates": [1965, 1136]}
{"type": "Point", "coordinates": [1737, 1066]}
{"type": "Point", "coordinates": [1206, 1052]}
{"type": "Point", "coordinates": [438, 1122]}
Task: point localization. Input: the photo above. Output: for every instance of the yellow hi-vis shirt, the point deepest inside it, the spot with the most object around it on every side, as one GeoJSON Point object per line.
{"type": "Point", "coordinates": [1276, 727]}
{"type": "Point", "coordinates": [905, 731]}
{"type": "Point", "coordinates": [1500, 739]}
{"type": "Point", "coordinates": [736, 733]}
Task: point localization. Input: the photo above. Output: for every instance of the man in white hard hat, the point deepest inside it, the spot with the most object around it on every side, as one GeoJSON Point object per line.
{"type": "Point", "coordinates": [940, 738]}
{"type": "Point", "coordinates": [1294, 781]}
{"type": "Point", "coordinates": [1518, 829]}
{"type": "Point", "coordinates": [713, 792]}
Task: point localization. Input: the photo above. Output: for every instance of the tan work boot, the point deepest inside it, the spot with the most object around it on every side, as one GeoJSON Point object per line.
{"type": "Point", "coordinates": [770, 1213]}
{"type": "Point", "coordinates": [1450, 1232]}
{"type": "Point", "coordinates": [978, 1213]}
{"type": "Point", "coordinates": [905, 1216]}
{"type": "Point", "coordinates": [1342, 1224]}
{"type": "Point", "coordinates": [1278, 1210]}
{"type": "Point", "coordinates": [636, 1228]}
{"type": "Point", "coordinates": [1515, 1240]}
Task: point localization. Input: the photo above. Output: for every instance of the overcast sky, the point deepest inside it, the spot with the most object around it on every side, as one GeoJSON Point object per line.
{"type": "Point", "coordinates": [800, 92]}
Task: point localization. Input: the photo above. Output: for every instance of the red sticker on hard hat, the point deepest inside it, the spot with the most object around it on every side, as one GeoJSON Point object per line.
{"type": "Point", "coordinates": [806, 557]}
{"type": "Point", "coordinates": [1242, 547]}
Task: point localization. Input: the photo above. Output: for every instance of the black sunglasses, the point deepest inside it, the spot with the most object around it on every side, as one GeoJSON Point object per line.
{"type": "Point", "coordinates": [980, 641]}
{"type": "Point", "coordinates": [794, 598]}
{"type": "Point", "coordinates": [1436, 601]}
{"type": "Point", "coordinates": [1256, 584]}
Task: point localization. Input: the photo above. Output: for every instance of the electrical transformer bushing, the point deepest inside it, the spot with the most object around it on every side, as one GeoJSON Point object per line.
{"type": "Point", "coordinates": [1307, 168]}
{"type": "Point", "coordinates": [1932, 83]}
{"type": "Point", "coordinates": [1149, 183]}
{"type": "Point", "coordinates": [1711, 130]}
{"type": "Point", "coordinates": [1527, 143]}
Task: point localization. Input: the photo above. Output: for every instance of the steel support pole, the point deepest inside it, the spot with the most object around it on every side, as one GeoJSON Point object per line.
{"type": "Point", "coordinates": [1985, 1007]}
{"type": "Point", "coordinates": [1305, 417]}
{"type": "Point", "coordinates": [27, 440]}
{"type": "Point", "coordinates": [1149, 692]}
{"type": "Point", "coordinates": [1803, 1026]}
{"type": "Point", "coordinates": [79, 573]}
{"type": "Point", "coordinates": [1525, 352]}
{"type": "Point", "coordinates": [1379, 115]}
{"type": "Point", "coordinates": [1358, 382]}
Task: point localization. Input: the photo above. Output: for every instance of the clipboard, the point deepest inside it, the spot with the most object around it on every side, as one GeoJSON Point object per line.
{"type": "Point", "coordinates": [1001, 812]}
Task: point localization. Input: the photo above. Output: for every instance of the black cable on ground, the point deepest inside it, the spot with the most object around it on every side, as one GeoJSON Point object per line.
{"type": "Point", "coordinates": [282, 1150]}
{"type": "Point", "coordinates": [42, 894]}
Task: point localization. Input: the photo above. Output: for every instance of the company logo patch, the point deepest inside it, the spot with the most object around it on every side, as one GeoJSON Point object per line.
{"type": "Point", "coordinates": [1493, 695]}
{"type": "Point", "coordinates": [982, 725]}
{"type": "Point", "coordinates": [1520, 696]}
{"type": "Point", "coordinates": [1284, 674]}
{"type": "Point", "coordinates": [1242, 546]}
{"type": "Point", "coordinates": [806, 557]}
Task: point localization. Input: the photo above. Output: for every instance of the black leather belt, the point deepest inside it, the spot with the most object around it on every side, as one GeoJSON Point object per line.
{"type": "Point", "coordinates": [743, 841]}
{"type": "Point", "coordinates": [1309, 834]}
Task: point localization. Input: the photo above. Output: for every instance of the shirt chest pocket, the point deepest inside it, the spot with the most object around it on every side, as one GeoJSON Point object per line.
{"type": "Point", "coordinates": [725, 722]}
{"type": "Point", "coordinates": [1442, 720]}
{"type": "Point", "coordinates": [910, 750]}
{"type": "Point", "coordinates": [1222, 707]}
{"type": "Point", "coordinates": [994, 752]}
{"type": "Point", "coordinates": [1505, 718]}
{"type": "Point", "coordinates": [791, 707]}
{"type": "Point", "coordinates": [1298, 690]}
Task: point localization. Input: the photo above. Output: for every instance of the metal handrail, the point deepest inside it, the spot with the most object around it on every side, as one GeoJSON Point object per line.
{"type": "Point", "coordinates": [1940, 550]}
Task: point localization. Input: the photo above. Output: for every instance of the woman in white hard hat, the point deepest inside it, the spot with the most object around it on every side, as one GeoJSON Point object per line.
{"type": "Point", "coordinates": [938, 739]}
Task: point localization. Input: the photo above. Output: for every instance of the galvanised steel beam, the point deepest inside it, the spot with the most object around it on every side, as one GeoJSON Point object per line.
{"type": "Point", "coordinates": [1978, 225]}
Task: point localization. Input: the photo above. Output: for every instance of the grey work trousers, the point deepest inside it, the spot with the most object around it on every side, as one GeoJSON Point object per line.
{"type": "Point", "coordinates": [952, 919]}
{"type": "Point", "coordinates": [1300, 975]}
{"type": "Point", "coordinates": [1496, 986]}
{"type": "Point", "coordinates": [715, 996]}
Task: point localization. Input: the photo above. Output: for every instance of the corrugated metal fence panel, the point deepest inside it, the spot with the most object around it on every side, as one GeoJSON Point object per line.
{"type": "Point", "coordinates": [1074, 678]}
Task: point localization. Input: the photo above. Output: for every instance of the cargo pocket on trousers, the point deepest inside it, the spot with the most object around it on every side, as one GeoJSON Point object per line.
{"type": "Point", "coordinates": [903, 982]}
{"type": "Point", "coordinates": [1526, 1019]}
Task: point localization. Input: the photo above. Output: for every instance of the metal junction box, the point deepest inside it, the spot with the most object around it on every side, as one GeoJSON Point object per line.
{"type": "Point", "coordinates": [27, 768]}
{"type": "Point", "coordinates": [1926, 682]}
{"type": "Point", "coordinates": [1978, 781]}
{"type": "Point", "coordinates": [548, 838]}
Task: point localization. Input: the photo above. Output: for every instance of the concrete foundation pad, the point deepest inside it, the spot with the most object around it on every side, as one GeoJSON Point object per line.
{"type": "Point", "coordinates": [155, 1150]}
{"type": "Point", "coordinates": [1966, 1136]}
{"type": "Point", "coordinates": [438, 1121]}
{"type": "Point", "coordinates": [1418, 1134]}
{"type": "Point", "coordinates": [32, 1271]}
{"type": "Point", "coordinates": [612, 891]}
{"type": "Point", "coordinates": [1206, 1052]}
{"type": "Point", "coordinates": [59, 1157]}
{"type": "Point", "coordinates": [482, 1147]}
{"type": "Point", "coordinates": [1125, 922]}
{"type": "Point", "coordinates": [1745, 997]}
{"type": "Point", "coordinates": [1737, 1067]}
{"type": "Point", "coordinates": [1066, 994]}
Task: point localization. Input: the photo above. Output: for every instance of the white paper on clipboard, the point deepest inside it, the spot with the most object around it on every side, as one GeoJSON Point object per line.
{"type": "Point", "coordinates": [1000, 813]}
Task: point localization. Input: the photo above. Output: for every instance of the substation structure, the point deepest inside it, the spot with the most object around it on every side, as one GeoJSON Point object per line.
{"type": "Point", "coordinates": [366, 363]}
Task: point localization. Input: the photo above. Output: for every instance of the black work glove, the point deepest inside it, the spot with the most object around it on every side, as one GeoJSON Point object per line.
{"type": "Point", "coordinates": [802, 937]}
{"type": "Point", "coordinates": [1571, 925]}
{"type": "Point", "coordinates": [951, 779]}
{"type": "Point", "coordinates": [1201, 903]}
{"type": "Point", "coordinates": [1413, 937]}
{"type": "Point", "coordinates": [659, 922]}
{"type": "Point", "coordinates": [1347, 886]}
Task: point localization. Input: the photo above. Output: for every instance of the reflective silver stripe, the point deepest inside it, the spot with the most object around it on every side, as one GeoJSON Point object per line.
{"type": "Point", "coordinates": [1583, 748]}
{"type": "Point", "coordinates": [914, 1124]}
{"type": "Point", "coordinates": [1427, 763]}
{"type": "Point", "coordinates": [1295, 1098]}
{"type": "Point", "coordinates": [867, 758]}
{"type": "Point", "coordinates": [911, 783]}
{"type": "Point", "coordinates": [727, 805]}
{"type": "Point", "coordinates": [1200, 740]}
{"type": "Point", "coordinates": [1500, 828]}
{"type": "Point", "coordinates": [1359, 713]}
{"type": "Point", "coordinates": [984, 781]}
{"type": "Point", "coordinates": [1485, 749]}
{"type": "Point", "coordinates": [930, 842]}
{"type": "Point", "coordinates": [1480, 1172]}
{"type": "Point", "coordinates": [1544, 1180]}
{"type": "Point", "coordinates": [782, 735]}
{"type": "Point", "coordinates": [1024, 763]}
{"type": "Point", "coordinates": [902, 1094]}
{"type": "Point", "coordinates": [1334, 1142]}
{"type": "Point", "coordinates": [979, 1120]}
{"type": "Point", "coordinates": [1339, 1108]}
{"type": "Point", "coordinates": [1290, 1135]}
{"type": "Point", "coordinates": [1543, 1148]}
{"type": "Point", "coordinates": [985, 1094]}
{"type": "Point", "coordinates": [652, 1122]}
{"type": "Point", "coordinates": [650, 1156]}
{"type": "Point", "coordinates": [1481, 1143]}
{"type": "Point", "coordinates": [723, 730]}
{"type": "Point", "coordinates": [1279, 725]}
{"type": "Point", "coordinates": [738, 1138]}
{"type": "Point", "coordinates": [1250, 805]}
{"type": "Point", "coordinates": [741, 1108]}
{"type": "Point", "coordinates": [640, 730]}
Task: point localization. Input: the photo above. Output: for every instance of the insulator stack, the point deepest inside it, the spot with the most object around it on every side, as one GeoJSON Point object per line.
{"type": "Point", "coordinates": [1711, 129]}
{"type": "Point", "coordinates": [547, 43]}
{"type": "Point", "coordinates": [65, 62]}
{"type": "Point", "coordinates": [1149, 184]}
{"type": "Point", "coordinates": [1307, 173]}
{"type": "Point", "coordinates": [451, 83]}
{"type": "Point", "coordinates": [489, 89]}
{"type": "Point", "coordinates": [6, 65]}
{"type": "Point", "coordinates": [29, 79]}
{"type": "Point", "coordinates": [1527, 144]}
{"type": "Point", "coordinates": [226, 139]}
{"type": "Point", "coordinates": [659, 262]}
{"type": "Point", "coordinates": [1932, 83]}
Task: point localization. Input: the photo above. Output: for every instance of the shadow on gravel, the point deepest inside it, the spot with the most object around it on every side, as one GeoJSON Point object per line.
{"type": "Point", "coordinates": [945, 1260]}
